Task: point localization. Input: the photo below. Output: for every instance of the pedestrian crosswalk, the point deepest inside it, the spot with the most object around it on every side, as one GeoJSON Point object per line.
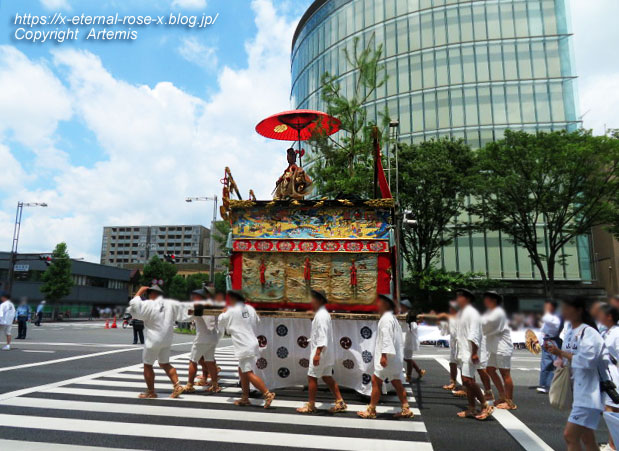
{"type": "Point", "coordinates": [106, 405]}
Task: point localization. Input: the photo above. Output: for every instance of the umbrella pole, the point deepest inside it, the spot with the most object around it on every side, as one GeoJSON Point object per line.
{"type": "Point", "coordinates": [300, 156]}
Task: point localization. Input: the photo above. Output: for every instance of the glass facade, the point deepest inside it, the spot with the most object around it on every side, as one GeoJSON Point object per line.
{"type": "Point", "coordinates": [466, 69]}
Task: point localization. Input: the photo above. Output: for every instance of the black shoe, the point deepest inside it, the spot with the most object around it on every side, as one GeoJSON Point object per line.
{"type": "Point", "coordinates": [135, 342]}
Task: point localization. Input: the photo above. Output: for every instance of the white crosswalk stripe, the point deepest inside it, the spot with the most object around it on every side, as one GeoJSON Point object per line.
{"type": "Point", "coordinates": [107, 404]}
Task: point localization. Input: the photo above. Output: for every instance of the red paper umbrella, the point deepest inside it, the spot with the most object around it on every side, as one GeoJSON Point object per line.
{"type": "Point", "coordinates": [297, 125]}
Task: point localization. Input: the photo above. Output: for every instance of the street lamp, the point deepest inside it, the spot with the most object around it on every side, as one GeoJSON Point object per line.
{"type": "Point", "coordinates": [211, 237]}
{"type": "Point", "coordinates": [16, 230]}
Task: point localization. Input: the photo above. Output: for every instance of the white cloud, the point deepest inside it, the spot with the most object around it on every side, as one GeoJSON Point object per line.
{"type": "Point", "coordinates": [161, 143]}
{"type": "Point", "coordinates": [599, 100]}
{"type": "Point", "coordinates": [189, 4]}
{"type": "Point", "coordinates": [55, 4]}
{"type": "Point", "coordinates": [197, 53]}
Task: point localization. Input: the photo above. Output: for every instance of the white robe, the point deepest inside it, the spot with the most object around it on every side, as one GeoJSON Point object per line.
{"type": "Point", "coordinates": [587, 347]}
{"type": "Point", "coordinates": [411, 337]}
{"type": "Point", "coordinates": [611, 339]}
{"type": "Point", "coordinates": [322, 335]}
{"type": "Point", "coordinates": [496, 330]}
{"type": "Point", "coordinates": [468, 330]}
{"type": "Point", "coordinates": [7, 313]}
{"type": "Point", "coordinates": [241, 322]}
{"type": "Point", "coordinates": [206, 330]}
{"type": "Point", "coordinates": [389, 341]}
{"type": "Point", "coordinates": [550, 325]}
{"type": "Point", "coordinates": [159, 318]}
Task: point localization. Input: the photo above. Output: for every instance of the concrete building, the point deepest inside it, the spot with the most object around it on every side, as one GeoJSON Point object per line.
{"type": "Point", "coordinates": [130, 245]}
{"type": "Point", "coordinates": [95, 285]}
{"type": "Point", "coordinates": [465, 69]}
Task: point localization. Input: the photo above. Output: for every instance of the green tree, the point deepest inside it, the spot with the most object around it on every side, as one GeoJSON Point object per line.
{"type": "Point", "coordinates": [433, 288]}
{"type": "Point", "coordinates": [157, 269]}
{"type": "Point", "coordinates": [178, 288]}
{"type": "Point", "coordinates": [435, 180]}
{"type": "Point", "coordinates": [196, 281]}
{"type": "Point", "coordinates": [345, 167]}
{"type": "Point", "coordinates": [222, 228]}
{"type": "Point", "coordinates": [220, 282]}
{"type": "Point", "coordinates": [57, 279]}
{"type": "Point", "coordinates": [546, 189]}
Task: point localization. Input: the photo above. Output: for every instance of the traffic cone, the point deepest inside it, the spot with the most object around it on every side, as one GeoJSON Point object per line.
{"type": "Point", "coordinates": [114, 324]}
{"type": "Point", "coordinates": [107, 323]}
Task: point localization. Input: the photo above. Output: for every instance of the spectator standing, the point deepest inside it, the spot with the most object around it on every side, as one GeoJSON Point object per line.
{"type": "Point", "coordinates": [23, 316]}
{"type": "Point", "coordinates": [40, 308]}
{"type": "Point", "coordinates": [7, 315]}
{"type": "Point", "coordinates": [551, 329]}
{"type": "Point", "coordinates": [138, 330]}
{"type": "Point", "coordinates": [584, 351]}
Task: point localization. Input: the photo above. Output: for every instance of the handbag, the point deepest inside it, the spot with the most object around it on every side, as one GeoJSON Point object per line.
{"type": "Point", "coordinates": [560, 393]}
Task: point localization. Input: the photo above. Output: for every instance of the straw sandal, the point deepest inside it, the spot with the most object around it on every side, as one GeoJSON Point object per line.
{"type": "Point", "coordinates": [307, 408]}
{"type": "Point", "coordinates": [215, 388]}
{"type": "Point", "coordinates": [268, 399]}
{"type": "Point", "coordinates": [178, 390]}
{"type": "Point", "coordinates": [202, 382]}
{"type": "Point", "coordinates": [486, 412]}
{"type": "Point", "coordinates": [468, 413]}
{"type": "Point", "coordinates": [459, 393]}
{"type": "Point", "coordinates": [148, 394]}
{"type": "Point", "coordinates": [189, 388]}
{"type": "Point", "coordinates": [508, 404]}
{"type": "Point", "coordinates": [405, 413]}
{"type": "Point", "coordinates": [340, 406]}
{"type": "Point", "coordinates": [368, 413]}
{"type": "Point", "coordinates": [450, 387]}
{"type": "Point", "coordinates": [421, 373]}
{"type": "Point", "coordinates": [242, 402]}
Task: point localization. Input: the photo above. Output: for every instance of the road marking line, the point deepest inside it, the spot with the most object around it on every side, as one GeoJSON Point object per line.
{"type": "Point", "coordinates": [528, 439]}
{"type": "Point", "coordinates": [163, 377]}
{"type": "Point", "coordinates": [445, 364]}
{"type": "Point", "coordinates": [17, 445]}
{"type": "Point", "coordinates": [35, 350]}
{"type": "Point", "coordinates": [206, 399]}
{"type": "Point", "coordinates": [209, 435]}
{"type": "Point", "coordinates": [77, 357]}
{"type": "Point", "coordinates": [230, 415]}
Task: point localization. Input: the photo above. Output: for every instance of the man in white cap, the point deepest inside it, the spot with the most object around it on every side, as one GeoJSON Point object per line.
{"type": "Point", "coordinates": [7, 315]}
{"type": "Point", "coordinates": [203, 347]}
{"type": "Point", "coordinates": [159, 316]}
{"type": "Point", "coordinates": [388, 359]}
{"type": "Point", "coordinates": [240, 322]}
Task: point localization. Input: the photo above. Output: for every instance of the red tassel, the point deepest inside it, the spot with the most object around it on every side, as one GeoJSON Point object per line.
{"type": "Point", "coordinates": [307, 271]}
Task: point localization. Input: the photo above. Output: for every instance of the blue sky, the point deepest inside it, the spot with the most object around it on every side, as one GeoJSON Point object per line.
{"type": "Point", "coordinates": [120, 132]}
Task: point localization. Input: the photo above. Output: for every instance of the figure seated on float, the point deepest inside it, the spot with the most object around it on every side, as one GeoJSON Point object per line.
{"type": "Point", "coordinates": [294, 183]}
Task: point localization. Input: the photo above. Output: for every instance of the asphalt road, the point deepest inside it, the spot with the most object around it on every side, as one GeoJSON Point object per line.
{"type": "Point", "coordinates": [42, 404]}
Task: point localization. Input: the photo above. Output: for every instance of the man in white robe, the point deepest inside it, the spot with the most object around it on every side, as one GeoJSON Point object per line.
{"type": "Point", "coordinates": [159, 316]}
{"type": "Point", "coordinates": [322, 356]}
{"type": "Point", "coordinates": [411, 340]}
{"type": "Point", "coordinates": [240, 322]}
{"type": "Point", "coordinates": [7, 315]}
{"type": "Point", "coordinates": [204, 345]}
{"type": "Point", "coordinates": [469, 337]}
{"type": "Point", "coordinates": [388, 359]}
{"type": "Point", "coordinates": [500, 349]}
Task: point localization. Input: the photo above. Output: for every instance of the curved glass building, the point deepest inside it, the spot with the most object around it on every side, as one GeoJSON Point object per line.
{"type": "Point", "coordinates": [467, 69]}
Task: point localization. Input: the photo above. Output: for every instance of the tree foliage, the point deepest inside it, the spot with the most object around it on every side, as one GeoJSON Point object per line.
{"type": "Point", "coordinates": [157, 269]}
{"type": "Point", "coordinates": [435, 179]}
{"type": "Point", "coordinates": [57, 279]}
{"type": "Point", "coordinates": [345, 167]}
{"type": "Point", "coordinates": [433, 288]}
{"type": "Point", "coordinates": [178, 288]}
{"type": "Point", "coordinates": [196, 281]}
{"type": "Point", "coordinates": [546, 189]}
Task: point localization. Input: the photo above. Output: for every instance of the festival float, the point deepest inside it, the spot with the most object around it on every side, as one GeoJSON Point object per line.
{"type": "Point", "coordinates": [283, 247]}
